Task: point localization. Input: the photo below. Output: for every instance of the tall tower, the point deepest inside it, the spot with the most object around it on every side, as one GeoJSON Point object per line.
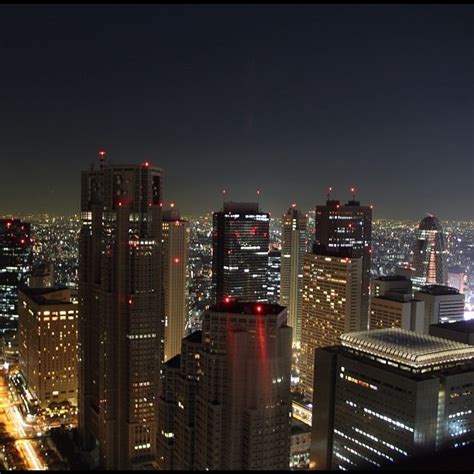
{"type": "Point", "coordinates": [293, 247]}
{"type": "Point", "coordinates": [347, 226]}
{"type": "Point", "coordinates": [429, 254]}
{"type": "Point", "coordinates": [175, 262]}
{"type": "Point", "coordinates": [331, 305]}
{"type": "Point", "coordinates": [16, 258]}
{"type": "Point", "coordinates": [240, 242]}
{"type": "Point", "coordinates": [120, 307]}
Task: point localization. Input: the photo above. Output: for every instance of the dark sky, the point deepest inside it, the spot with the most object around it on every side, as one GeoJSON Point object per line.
{"type": "Point", "coordinates": [286, 99]}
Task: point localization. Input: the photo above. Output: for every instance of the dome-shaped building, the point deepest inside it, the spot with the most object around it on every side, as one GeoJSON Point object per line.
{"type": "Point", "coordinates": [429, 253]}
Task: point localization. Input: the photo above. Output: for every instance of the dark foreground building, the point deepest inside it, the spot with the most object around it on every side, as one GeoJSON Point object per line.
{"type": "Point", "coordinates": [387, 395]}
{"type": "Point", "coordinates": [225, 401]}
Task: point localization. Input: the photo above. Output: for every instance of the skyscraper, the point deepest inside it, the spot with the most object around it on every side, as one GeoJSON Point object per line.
{"type": "Point", "coordinates": [442, 304]}
{"type": "Point", "coordinates": [347, 226]}
{"type": "Point", "coordinates": [274, 277]}
{"type": "Point", "coordinates": [331, 305]}
{"type": "Point", "coordinates": [293, 248]}
{"type": "Point", "coordinates": [392, 305]}
{"type": "Point", "coordinates": [386, 395]}
{"type": "Point", "coordinates": [240, 242]}
{"type": "Point", "coordinates": [121, 314]}
{"type": "Point", "coordinates": [429, 254]}
{"type": "Point", "coordinates": [232, 408]}
{"type": "Point", "coordinates": [47, 341]}
{"type": "Point", "coordinates": [175, 261]}
{"type": "Point", "coordinates": [16, 259]}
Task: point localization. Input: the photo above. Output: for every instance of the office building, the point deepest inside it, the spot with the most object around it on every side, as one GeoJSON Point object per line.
{"type": "Point", "coordinates": [300, 445]}
{"type": "Point", "coordinates": [175, 262]}
{"type": "Point", "coordinates": [16, 258]}
{"type": "Point", "coordinates": [47, 340]}
{"type": "Point", "coordinates": [392, 305]}
{"type": "Point", "coordinates": [121, 326]}
{"type": "Point", "coordinates": [331, 306]}
{"type": "Point", "coordinates": [429, 254]}
{"type": "Point", "coordinates": [385, 396]}
{"type": "Point", "coordinates": [293, 248]}
{"type": "Point", "coordinates": [460, 331]}
{"type": "Point", "coordinates": [273, 279]}
{"type": "Point", "coordinates": [233, 410]}
{"type": "Point", "coordinates": [240, 243]}
{"type": "Point", "coordinates": [345, 227]}
{"type": "Point", "coordinates": [442, 304]}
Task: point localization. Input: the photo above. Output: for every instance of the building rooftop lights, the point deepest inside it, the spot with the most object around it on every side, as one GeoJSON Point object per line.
{"type": "Point", "coordinates": [407, 348]}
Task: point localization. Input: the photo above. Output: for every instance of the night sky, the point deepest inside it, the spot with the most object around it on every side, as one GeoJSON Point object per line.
{"type": "Point", "coordinates": [286, 99]}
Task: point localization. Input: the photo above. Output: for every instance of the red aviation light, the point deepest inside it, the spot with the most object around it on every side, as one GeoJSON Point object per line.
{"type": "Point", "coordinates": [176, 259]}
{"type": "Point", "coordinates": [22, 241]}
{"type": "Point", "coordinates": [293, 205]}
{"type": "Point", "coordinates": [258, 308]}
{"type": "Point", "coordinates": [102, 153]}
{"type": "Point", "coordinates": [226, 299]}
{"type": "Point", "coordinates": [371, 206]}
{"type": "Point", "coordinates": [120, 203]}
{"type": "Point", "coordinates": [9, 224]}
{"type": "Point", "coordinates": [161, 204]}
{"type": "Point", "coordinates": [172, 205]}
{"type": "Point", "coordinates": [146, 164]}
{"type": "Point", "coordinates": [130, 301]}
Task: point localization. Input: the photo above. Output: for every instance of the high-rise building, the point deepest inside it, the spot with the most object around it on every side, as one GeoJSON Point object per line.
{"type": "Point", "coordinates": [240, 242]}
{"type": "Point", "coordinates": [293, 248]}
{"type": "Point", "coordinates": [429, 254]}
{"type": "Point", "coordinates": [442, 304]}
{"type": "Point", "coordinates": [456, 278]}
{"type": "Point", "coordinates": [47, 340]}
{"type": "Point", "coordinates": [347, 226]}
{"type": "Point", "coordinates": [273, 279]}
{"type": "Point", "coordinates": [175, 262]}
{"type": "Point", "coordinates": [383, 396]}
{"type": "Point", "coordinates": [392, 305]}
{"type": "Point", "coordinates": [231, 407]}
{"type": "Point", "coordinates": [331, 305]}
{"type": "Point", "coordinates": [121, 312]}
{"type": "Point", "coordinates": [16, 258]}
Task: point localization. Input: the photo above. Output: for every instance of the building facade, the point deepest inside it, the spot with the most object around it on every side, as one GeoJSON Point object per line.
{"type": "Point", "coordinates": [331, 306]}
{"type": "Point", "coordinates": [429, 254]}
{"type": "Point", "coordinates": [47, 341]}
{"type": "Point", "coordinates": [384, 396]}
{"type": "Point", "coordinates": [230, 397]}
{"type": "Point", "coordinates": [345, 227]}
{"type": "Point", "coordinates": [240, 244]}
{"type": "Point", "coordinates": [175, 263]}
{"type": "Point", "coordinates": [392, 305]}
{"type": "Point", "coordinates": [442, 304]}
{"type": "Point", "coordinates": [274, 278]}
{"type": "Point", "coordinates": [16, 259]}
{"type": "Point", "coordinates": [121, 326]}
{"type": "Point", "coordinates": [293, 248]}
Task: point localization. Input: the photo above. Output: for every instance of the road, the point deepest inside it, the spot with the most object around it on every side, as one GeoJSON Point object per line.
{"type": "Point", "coordinates": [16, 427]}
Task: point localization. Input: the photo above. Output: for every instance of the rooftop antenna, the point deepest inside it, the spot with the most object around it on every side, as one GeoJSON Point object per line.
{"type": "Point", "coordinates": [102, 154]}
{"type": "Point", "coordinates": [223, 198]}
{"type": "Point", "coordinates": [353, 191]}
{"type": "Point", "coordinates": [329, 193]}
{"type": "Point", "coordinates": [258, 199]}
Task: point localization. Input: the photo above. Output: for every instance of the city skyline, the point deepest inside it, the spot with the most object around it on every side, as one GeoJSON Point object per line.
{"type": "Point", "coordinates": [381, 92]}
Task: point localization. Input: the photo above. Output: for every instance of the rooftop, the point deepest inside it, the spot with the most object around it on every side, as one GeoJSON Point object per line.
{"type": "Point", "coordinates": [174, 362]}
{"type": "Point", "coordinates": [231, 206]}
{"type": "Point", "coordinates": [407, 348]}
{"type": "Point", "coordinates": [439, 290]}
{"type": "Point", "coordinates": [51, 295]}
{"type": "Point", "coordinates": [195, 336]}
{"type": "Point", "coordinates": [391, 278]}
{"type": "Point", "coordinates": [458, 326]}
{"type": "Point", "coordinates": [231, 305]}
